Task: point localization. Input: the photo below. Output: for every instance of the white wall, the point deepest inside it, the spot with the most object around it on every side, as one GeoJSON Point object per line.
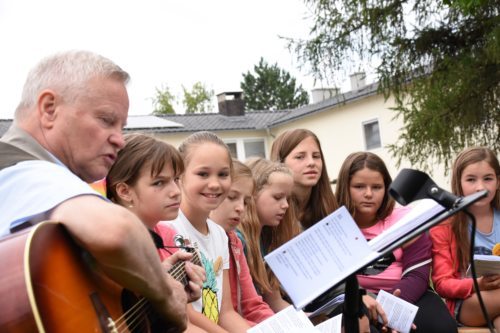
{"type": "Point", "coordinates": [340, 131]}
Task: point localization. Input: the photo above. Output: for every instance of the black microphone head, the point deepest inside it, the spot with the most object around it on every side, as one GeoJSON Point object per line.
{"type": "Point", "coordinates": [407, 186]}
{"type": "Point", "coordinates": [411, 185]}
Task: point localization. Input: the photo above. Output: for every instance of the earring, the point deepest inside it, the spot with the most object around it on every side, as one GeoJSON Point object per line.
{"type": "Point", "coordinates": [130, 205]}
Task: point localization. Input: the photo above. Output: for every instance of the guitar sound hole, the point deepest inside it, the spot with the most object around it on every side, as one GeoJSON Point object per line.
{"type": "Point", "coordinates": [136, 315]}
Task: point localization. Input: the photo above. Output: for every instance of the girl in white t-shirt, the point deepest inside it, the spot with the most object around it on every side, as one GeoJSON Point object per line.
{"type": "Point", "coordinates": [204, 185]}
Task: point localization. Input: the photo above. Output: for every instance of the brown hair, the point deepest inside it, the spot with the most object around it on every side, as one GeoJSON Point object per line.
{"type": "Point", "coordinates": [352, 164]}
{"type": "Point", "coordinates": [241, 170]}
{"type": "Point", "coordinates": [141, 151]}
{"type": "Point", "coordinates": [199, 138]}
{"type": "Point", "coordinates": [322, 200]}
{"type": "Point", "coordinates": [460, 223]}
{"type": "Point", "coordinates": [265, 239]}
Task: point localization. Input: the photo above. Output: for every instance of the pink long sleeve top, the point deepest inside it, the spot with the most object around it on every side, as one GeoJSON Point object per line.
{"type": "Point", "coordinates": [409, 271]}
{"type": "Point", "coordinates": [245, 299]}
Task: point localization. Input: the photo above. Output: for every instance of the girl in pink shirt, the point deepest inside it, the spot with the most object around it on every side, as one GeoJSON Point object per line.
{"type": "Point", "coordinates": [362, 186]}
{"type": "Point", "coordinates": [144, 179]}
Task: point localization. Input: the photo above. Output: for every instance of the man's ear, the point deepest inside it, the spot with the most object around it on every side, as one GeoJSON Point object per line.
{"type": "Point", "coordinates": [124, 192]}
{"type": "Point", "coordinates": [46, 108]}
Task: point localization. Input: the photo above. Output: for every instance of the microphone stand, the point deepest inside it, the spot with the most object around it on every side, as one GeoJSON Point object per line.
{"type": "Point", "coordinates": [352, 302]}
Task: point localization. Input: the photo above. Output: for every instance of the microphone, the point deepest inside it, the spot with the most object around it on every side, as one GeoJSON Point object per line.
{"type": "Point", "coordinates": [411, 185]}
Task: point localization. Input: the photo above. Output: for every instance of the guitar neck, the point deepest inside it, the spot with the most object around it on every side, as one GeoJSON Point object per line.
{"type": "Point", "coordinates": [178, 270]}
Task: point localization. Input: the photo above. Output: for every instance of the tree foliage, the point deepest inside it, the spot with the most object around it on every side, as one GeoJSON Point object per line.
{"type": "Point", "coordinates": [272, 88]}
{"type": "Point", "coordinates": [440, 59]}
{"type": "Point", "coordinates": [163, 102]}
{"type": "Point", "coordinates": [198, 100]}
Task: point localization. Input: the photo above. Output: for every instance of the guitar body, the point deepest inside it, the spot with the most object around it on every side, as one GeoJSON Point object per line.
{"type": "Point", "coordinates": [48, 284]}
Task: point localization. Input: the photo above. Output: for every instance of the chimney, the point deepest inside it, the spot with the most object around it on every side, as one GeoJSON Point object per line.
{"type": "Point", "coordinates": [358, 80]}
{"type": "Point", "coordinates": [321, 94]}
{"type": "Point", "coordinates": [231, 103]}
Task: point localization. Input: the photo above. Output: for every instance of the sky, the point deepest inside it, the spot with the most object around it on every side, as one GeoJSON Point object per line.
{"type": "Point", "coordinates": [160, 43]}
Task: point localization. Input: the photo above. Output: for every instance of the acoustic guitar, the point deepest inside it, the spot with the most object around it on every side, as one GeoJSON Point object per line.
{"type": "Point", "coordinates": [49, 284]}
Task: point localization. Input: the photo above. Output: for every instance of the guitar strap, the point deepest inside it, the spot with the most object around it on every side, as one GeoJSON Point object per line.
{"type": "Point", "coordinates": [157, 239]}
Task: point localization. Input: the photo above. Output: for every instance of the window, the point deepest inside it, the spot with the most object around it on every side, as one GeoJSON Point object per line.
{"type": "Point", "coordinates": [371, 132]}
{"type": "Point", "coordinates": [254, 148]}
{"type": "Point", "coordinates": [232, 149]}
{"type": "Point", "coordinates": [246, 148]}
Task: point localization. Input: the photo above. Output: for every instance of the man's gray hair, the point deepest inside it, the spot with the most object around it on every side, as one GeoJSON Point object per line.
{"type": "Point", "coordinates": [67, 73]}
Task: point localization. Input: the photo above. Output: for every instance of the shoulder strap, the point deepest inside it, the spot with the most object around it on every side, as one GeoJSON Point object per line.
{"type": "Point", "coordinates": [10, 155]}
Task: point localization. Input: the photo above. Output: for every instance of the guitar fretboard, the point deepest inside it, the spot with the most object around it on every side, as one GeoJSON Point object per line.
{"type": "Point", "coordinates": [178, 270]}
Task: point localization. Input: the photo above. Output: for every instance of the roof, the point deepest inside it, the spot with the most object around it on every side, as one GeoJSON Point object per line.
{"type": "Point", "coordinates": [4, 125]}
{"type": "Point", "coordinates": [148, 122]}
{"type": "Point", "coordinates": [251, 120]}
{"type": "Point", "coordinates": [255, 120]}
{"type": "Point", "coordinates": [327, 104]}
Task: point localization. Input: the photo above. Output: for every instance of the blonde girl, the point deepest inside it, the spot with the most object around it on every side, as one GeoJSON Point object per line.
{"type": "Point", "coordinates": [229, 215]}
{"type": "Point", "coordinates": [475, 169]}
{"type": "Point", "coordinates": [271, 225]}
{"type": "Point", "coordinates": [204, 185]}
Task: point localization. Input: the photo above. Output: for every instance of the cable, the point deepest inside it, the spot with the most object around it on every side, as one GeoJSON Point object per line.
{"type": "Point", "coordinates": [473, 271]}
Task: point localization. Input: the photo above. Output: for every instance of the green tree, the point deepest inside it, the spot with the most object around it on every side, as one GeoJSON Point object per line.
{"type": "Point", "coordinates": [272, 88]}
{"type": "Point", "coordinates": [440, 59]}
{"type": "Point", "coordinates": [163, 101]}
{"type": "Point", "coordinates": [199, 99]}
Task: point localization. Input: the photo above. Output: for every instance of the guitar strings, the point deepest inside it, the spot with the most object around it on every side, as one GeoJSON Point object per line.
{"type": "Point", "coordinates": [177, 273]}
{"type": "Point", "coordinates": [137, 311]}
{"type": "Point", "coordinates": [141, 318]}
{"type": "Point", "coordinates": [178, 270]}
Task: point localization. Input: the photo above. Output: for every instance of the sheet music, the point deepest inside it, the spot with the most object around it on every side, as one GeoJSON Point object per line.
{"type": "Point", "coordinates": [285, 321]}
{"type": "Point", "coordinates": [290, 320]}
{"type": "Point", "coordinates": [332, 325]}
{"type": "Point", "coordinates": [400, 313]}
{"type": "Point", "coordinates": [320, 257]}
{"type": "Point", "coordinates": [485, 265]}
{"type": "Point", "coordinates": [334, 248]}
